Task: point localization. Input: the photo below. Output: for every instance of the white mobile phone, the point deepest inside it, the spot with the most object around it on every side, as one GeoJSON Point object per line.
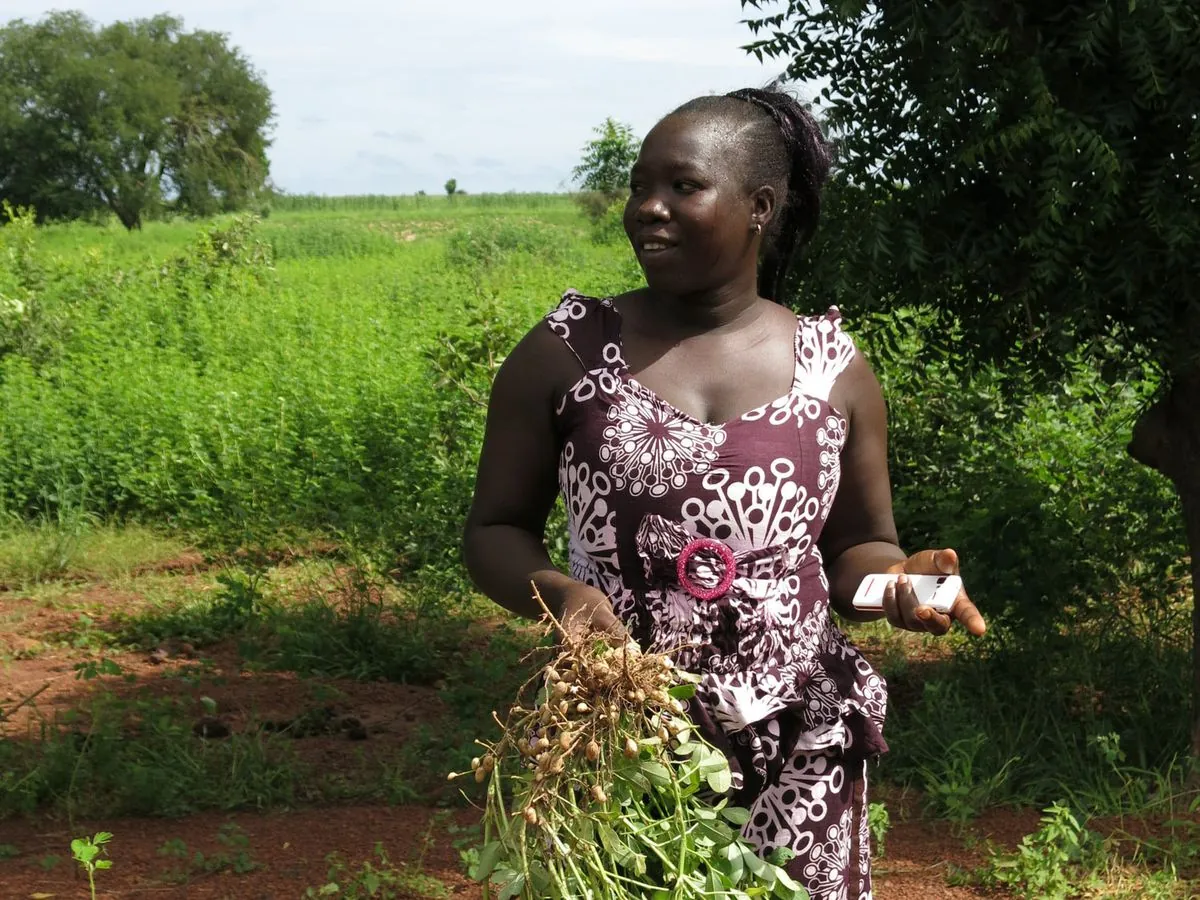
{"type": "Point", "coordinates": [936, 591]}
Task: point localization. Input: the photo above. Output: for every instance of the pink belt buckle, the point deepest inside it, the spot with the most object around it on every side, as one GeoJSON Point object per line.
{"type": "Point", "coordinates": [685, 580]}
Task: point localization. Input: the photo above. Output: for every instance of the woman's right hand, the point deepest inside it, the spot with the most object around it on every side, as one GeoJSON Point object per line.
{"type": "Point", "coordinates": [584, 610]}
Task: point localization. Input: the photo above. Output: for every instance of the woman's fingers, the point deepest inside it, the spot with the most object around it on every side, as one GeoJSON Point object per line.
{"type": "Point", "coordinates": [946, 561]}
{"type": "Point", "coordinates": [904, 610]}
{"type": "Point", "coordinates": [908, 613]}
{"type": "Point", "coordinates": [932, 562]}
{"type": "Point", "coordinates": [968, 615]}
{"type": "Point", "coordinates": [592, 618]}
{"type": "Point", "coordinates": [926, 617]}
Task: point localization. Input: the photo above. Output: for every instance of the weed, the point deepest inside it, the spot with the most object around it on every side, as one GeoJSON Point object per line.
{"type": "Point", "coordinates": [878, 823]}
{"type": "Point", "coordinates": [234, 856]}
{"type": "Point", "coordinates": [140, 757]}
{"type": "Point", "coordinates": [87, 852]}
{"type": "Point", "coordinates": [1054, 863]}
{"type": "Point", "coordinates": [55, 542]}
{"type": "Point", "coordinates": [498, 668]}
{"type": "Point", "coordinates": [50, 862]}
{"type": "Point", "coordinates": [467, 841]}
{"type": "Point", "coordinates": [173, 848]}
{"type": "Point", "coordinates": [36, 552]}
{"type": "Point", "coordinates": [954, 787]}
{"type": "Point", "coordinates": [487, 244]}
{"type": "Point", "coordinates": [1162, 886]}
{"type": "Point", "coordinates": [9, 851]}
{"type": "Point", "coordinates": [394, 785]}
{"type": "Point", "coordinates": [241, 600]}
{"type": "Point", "coordinates": [384, 880]}
{"type": "Point", "coordinates": [1117, 785]}
{"type": "Point", "coordinates": [83, 635]}
{"type": "Point", "coordinates": [90, 669]}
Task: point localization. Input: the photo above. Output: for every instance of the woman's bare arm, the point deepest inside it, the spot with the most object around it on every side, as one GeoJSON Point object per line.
{"type": "Point", "coordinates": [860, 538]}
{"type": "Point", "coordinates": [517, 481]}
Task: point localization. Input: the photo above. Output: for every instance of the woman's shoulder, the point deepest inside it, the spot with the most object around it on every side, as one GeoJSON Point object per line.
{"type": "Point", "coordinates": [825, 347]}
{"type": "Point", "coordinates": [589, 326]}
{"type": "Point", "coordinates": [828, 363]}
{"type": "Point", "coordinates": [827, 322]}
{"type": "Point", "coordinates": [572, 298]}
{"type": "Point", "coordinates": [554, 352]}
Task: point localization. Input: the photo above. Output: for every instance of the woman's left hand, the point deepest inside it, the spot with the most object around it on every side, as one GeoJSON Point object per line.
{"type": "Point", "coordinates": [903, 610]}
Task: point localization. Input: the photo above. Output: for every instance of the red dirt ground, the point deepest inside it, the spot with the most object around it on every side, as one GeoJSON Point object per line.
{"type": "Point", "coordinates": [290, 847]}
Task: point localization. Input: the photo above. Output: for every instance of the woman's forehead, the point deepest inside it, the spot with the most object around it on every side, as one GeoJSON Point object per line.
{"type": "Point", "coordinates": [683, 140]}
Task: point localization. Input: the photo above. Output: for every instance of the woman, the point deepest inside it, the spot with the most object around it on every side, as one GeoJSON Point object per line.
{"type": "Point", "coordinates": [723, 465]}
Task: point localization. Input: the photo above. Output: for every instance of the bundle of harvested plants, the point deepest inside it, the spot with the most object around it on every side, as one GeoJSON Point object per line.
{"type": "Point", "coordinates": [599, 788]}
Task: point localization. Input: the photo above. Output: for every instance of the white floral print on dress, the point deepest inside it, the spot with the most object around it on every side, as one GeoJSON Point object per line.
{"type": "Point", "coordinates": [652, 449]}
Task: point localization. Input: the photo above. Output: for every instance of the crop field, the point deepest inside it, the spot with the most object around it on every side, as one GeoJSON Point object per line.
{"type": "Point", "coordinates": [235, 631]}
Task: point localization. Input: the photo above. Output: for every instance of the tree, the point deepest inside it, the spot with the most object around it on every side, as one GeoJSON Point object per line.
{"type": "Point", "coordinates": [1033, 170]}
{"type": "Point", "coordinates": [452, 187]}
{"type": "Point", "coordinates": [128, 117]}
{"type": "Point", "coordinates": [607, 160]}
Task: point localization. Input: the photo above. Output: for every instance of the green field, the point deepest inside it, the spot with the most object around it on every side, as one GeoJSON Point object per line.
{"type": "Point", "coordinates": [271, 376]}
{"type": "Point", "coordinates": [299, 398]}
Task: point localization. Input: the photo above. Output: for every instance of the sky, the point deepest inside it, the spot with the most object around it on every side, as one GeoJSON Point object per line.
{"type": "Point", "coordinates": [394, 97]}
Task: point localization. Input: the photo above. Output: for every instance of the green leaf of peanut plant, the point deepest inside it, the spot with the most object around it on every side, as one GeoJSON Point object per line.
{"type": "Point", "coordinates": [736, 814]}
{"type": "Point", "coordinates": [83, 850]}
{"type": "Point", "coordinates": [682, 691]}
{"type": "Point", "coordinates": [720, 781]}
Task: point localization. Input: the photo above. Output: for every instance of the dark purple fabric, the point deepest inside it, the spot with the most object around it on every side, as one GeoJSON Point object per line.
{"type": "Point", "coordinates": [791, 701]}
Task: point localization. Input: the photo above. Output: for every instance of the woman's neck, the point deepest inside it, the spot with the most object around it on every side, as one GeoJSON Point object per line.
{"type": "Point", "coordinates": [727, 308]}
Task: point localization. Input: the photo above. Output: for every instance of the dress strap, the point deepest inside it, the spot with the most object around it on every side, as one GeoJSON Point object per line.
{"type": "Point", "coordinates": [590, 327]}
{"type": "Point", "coordinates": [823, 351]}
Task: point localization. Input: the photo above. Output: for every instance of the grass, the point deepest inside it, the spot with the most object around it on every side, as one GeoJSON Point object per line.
{"type": "Point", "coordinates": [42, 551]}
{"type": "Point", "coordinates": [86, 765]}
{"type": "Point", "coordinates": [131, 748]}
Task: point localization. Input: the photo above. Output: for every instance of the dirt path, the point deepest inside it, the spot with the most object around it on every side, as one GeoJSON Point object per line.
{"type": "Point", "coordinates": [289, 850]}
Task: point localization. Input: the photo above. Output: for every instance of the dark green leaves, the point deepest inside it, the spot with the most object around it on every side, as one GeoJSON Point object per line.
{"type": "Point", "coordinates": [128, 118]}
{"type": "Point", "coordinates": [684, 691]}
{"type": "Point", "coordinates": [1030, 168]}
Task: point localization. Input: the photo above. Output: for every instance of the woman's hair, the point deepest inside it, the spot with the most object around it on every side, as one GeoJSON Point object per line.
{"type": "Point", "coordinates": [783, 147]}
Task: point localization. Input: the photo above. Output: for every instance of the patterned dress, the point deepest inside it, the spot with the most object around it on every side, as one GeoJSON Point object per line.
{"type": "Point", "coordinates": [705, 537]}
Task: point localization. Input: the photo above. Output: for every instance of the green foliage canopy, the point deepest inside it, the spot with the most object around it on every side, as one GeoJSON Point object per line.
{"type": "Point", "coordinates": [128, 117]}
{"type": "Point", "coordinates": [1032, 169]}
{"type": "Point", "coordinates": [607, 159]}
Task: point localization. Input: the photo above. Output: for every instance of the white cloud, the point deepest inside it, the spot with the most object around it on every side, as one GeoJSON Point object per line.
{"type": "Point", "coordinates": [374, 96]}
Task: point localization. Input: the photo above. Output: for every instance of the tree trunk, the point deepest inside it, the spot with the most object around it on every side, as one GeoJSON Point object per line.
{"type": "Point", "coordinates": [1167, 438]}
{"type": "Point", "coordinates": [131, 219]}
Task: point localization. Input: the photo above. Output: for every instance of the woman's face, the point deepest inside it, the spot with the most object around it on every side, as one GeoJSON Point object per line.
{"type": "Point", "coordinates": [689, 217]}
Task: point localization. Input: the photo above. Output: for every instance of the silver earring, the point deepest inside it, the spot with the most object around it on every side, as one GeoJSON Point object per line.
{"type": "Point", "coordinates": [758, 227]}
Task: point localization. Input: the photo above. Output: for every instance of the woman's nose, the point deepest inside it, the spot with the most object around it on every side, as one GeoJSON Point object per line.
{"type": "Point", "coordinates": [652, 209]}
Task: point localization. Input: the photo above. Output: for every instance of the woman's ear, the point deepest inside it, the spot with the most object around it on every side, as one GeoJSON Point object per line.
{"type": "Point", "coordinates": [762, 206]}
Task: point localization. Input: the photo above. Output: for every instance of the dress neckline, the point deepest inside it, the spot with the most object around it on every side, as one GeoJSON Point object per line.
{"type": "Point", "coordinates": [652, 395]}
